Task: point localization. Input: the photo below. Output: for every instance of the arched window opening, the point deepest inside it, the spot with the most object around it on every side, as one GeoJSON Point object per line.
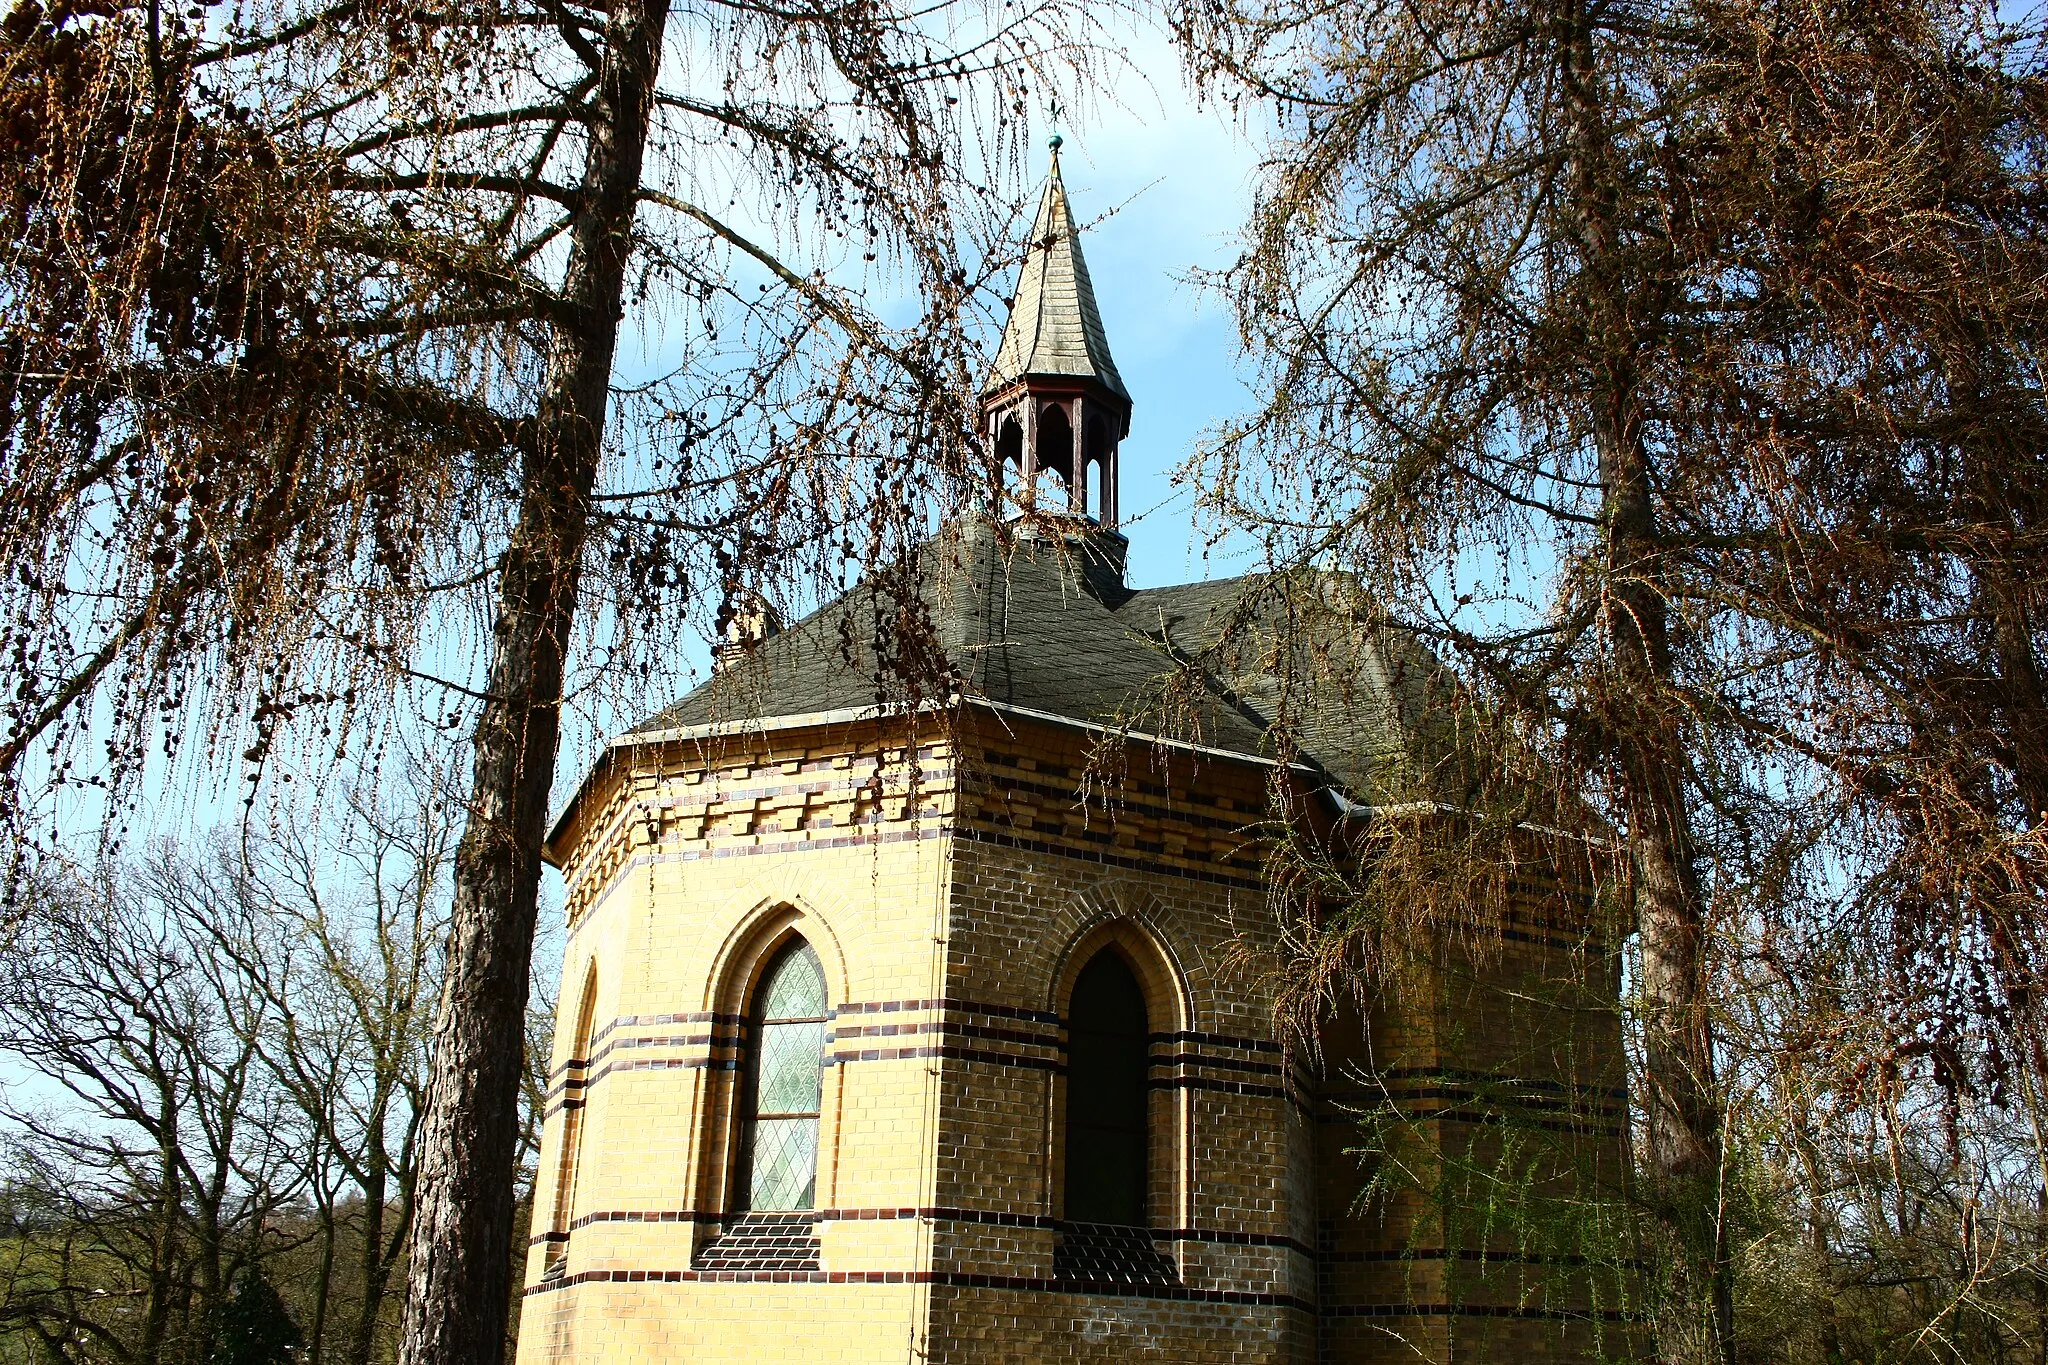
{"type": "Point", "coordinates": [1107, 1098]}
{"type": "Point", "coordinates": [575, 1091]}
{"type": "Point", "coordinates": [1097, 446]}
{"type": "Point", "coordinates": [785, 1081]}
{"type": "Point", "coordinates": [1055, 440]}
{"type": "Point", "coordinates": [1100, 452]}
{"type": "Point", "coordinates": [1010, 443]}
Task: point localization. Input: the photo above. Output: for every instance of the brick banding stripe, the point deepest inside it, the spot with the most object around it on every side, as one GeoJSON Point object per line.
{"type": "Point", "coordinates": [944, 1028]}
{"type": "Point", "coordinates": [976, 835]}
{"type": "Point", "coordinates": [940, 1214]}
{"type": "Point", "coordinates": [945, 1279]}
{"type": "Point", "coordinates": [930, 828]}
{"type": "Point", "coordinates": [948, 1005]}
{"type": "Point", "coordinates": [1046, 1223]}
{"type": "Point", "coordinates": [1161, 813]}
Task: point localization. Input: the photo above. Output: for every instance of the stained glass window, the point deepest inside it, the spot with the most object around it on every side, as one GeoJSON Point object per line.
{"type": "Point", "coordinates": [784, 1082]}
{"type": "Point", "coordinates": [1108, 1071]}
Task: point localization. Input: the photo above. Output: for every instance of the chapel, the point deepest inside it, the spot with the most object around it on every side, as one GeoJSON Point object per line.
{"type": "Point", "coordinates": [933, 1028]}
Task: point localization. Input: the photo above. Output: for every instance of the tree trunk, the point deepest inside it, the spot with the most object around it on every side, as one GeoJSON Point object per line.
{"type": "Point", "coordinates": [323, 1282]}
{"type": "Point", "coordinates": [1646, 733]}
{"type": "Point", "coordinates": [372, 1260]}
{"type": "Point", "coordinates": [170, 1204]}
{"type": "Point", "coordinates": [458, 1276]}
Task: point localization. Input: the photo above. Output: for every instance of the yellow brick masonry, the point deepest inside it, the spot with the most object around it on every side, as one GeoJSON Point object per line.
{"type": "Point", "coordinates": [953, 886]}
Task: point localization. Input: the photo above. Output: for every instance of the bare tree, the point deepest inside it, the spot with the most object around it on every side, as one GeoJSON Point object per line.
{"type": "Point", "coordinates": [237, 1034]}
{"type": "Point", "coordinates": [172, 1150]}
{"type": "Point", "coordinates": [1649, 361]}
{"type": "Point", "coordinates": [351, 967]}
{"type": "Point", "coordinates": [314, 311]}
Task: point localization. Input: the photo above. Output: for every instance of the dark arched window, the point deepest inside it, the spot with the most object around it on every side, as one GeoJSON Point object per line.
{"type": "Point", "coordinates": [1107, 1133]}
{"type": "Point", "coordinates": [1010, 442]}
{"type": "Point", "coordinates": [785, 1077]}
{"type": "Point", "coordinates": [1056, 441]}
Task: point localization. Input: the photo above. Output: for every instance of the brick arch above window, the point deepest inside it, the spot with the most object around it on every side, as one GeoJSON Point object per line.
{"type": "Point", "coordinates": [1150, 958]}
{"type": "Point", "coordinates": [757, 931]}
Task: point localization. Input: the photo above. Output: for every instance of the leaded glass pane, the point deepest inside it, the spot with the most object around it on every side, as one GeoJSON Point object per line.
{"type": "Point", "coordinates": [787, 1083]}
{"type": "Point", "coordinates": [789, 1073]}
{"type": "Point", "coordinates": [797, 989]}
{"type": "Point", "coordinates": [785, 1165]}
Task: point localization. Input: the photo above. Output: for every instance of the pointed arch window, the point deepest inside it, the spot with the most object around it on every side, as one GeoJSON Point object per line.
{"type": "Point", "coordinates": [1108, 1100]}
{"type": "Point", "coordinates": [785, 1081]}
{"type": "Point", "coordinates": [575, 1092]}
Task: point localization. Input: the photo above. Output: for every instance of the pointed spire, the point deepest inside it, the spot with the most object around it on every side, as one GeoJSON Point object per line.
{"type": "Point", "coordinates": [1055, 329]}
{"type": "Point", "coordinates": [1054, 402]}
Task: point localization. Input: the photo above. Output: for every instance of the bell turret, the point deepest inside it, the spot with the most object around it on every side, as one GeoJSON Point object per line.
{"type": "Point", "coordinates": [1053, 399]}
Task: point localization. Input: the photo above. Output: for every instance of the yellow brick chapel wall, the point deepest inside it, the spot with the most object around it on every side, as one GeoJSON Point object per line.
{"type": "Point", "coordinates": [685, 867]}
{"type": "Point", "coordinates": [952, 914]}
{"type": "Point", "coordinates": [1041, 881]}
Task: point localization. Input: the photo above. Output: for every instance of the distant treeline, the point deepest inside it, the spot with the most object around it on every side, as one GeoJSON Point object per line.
{"type": "Point", "coordinates": [215, 1061]}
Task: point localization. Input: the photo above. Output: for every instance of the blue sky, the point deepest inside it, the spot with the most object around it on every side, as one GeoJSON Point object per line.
{"type": "Point", "coordinates": [1178, 178]}
{"type": "Point", "coordinates": [1160, 186]}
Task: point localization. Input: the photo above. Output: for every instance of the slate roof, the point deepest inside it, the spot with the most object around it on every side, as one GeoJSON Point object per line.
{"type": "Point", "coordinates": [1037, 615]}
{"type": "Point", "coordinates": [1055, 327]}
{"type": "Point", "coordinates": [1046, 623]}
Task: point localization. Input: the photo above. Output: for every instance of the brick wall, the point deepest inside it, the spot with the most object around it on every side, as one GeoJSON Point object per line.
{"type": "Point", "coordinates": [953, 887]}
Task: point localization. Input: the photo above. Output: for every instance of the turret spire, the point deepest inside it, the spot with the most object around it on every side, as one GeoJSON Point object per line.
{"type": "Point", "coordinates": [1053, 399]}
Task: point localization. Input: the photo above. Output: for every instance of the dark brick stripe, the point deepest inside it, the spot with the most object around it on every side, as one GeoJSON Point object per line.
{"type": "Point", "coordinates": [928, 827]}
{"type": "Point", "coordinates": [940, 1214]}
{"type": "Point", "coordinates": [869, 1007]}
{"type": "Point", "coordinates": [700, 797]}
{"type": "Point", "coordinates": [944, 1279]}
{"type": "Point", "coordinates": [1045, 1223]}
{"type": "Point", "coordinates": [929, 782]}
{"type": "Point", "coordinates": [976, 835]}
{"type": "Point", "coordinates": [1217, 1063]}
{"type": "Point", "coordinates": [1117, 805]}
{"type": "Point", "coordinates": [1026, 1285]}
{"type": "Point", "coordinates": [954, 1052]}
{"type": "Point", "coordinates": [945, 1050]}
{"type": "Point", "coordinates": [1217, 1040]}
{"type": "Point", "coordinates": [946, 1028]}
{"type": "Point", "coordinates": [694, 1017]}
{"type": "Point", "coordinates": [1210, 1083]}
{"type": "Point", "coordinates": [951, 1005]}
